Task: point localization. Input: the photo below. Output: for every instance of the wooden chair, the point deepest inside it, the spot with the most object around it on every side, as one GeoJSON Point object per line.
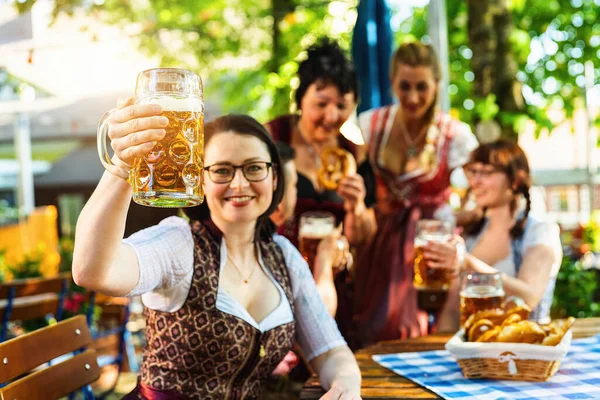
{"type": "Point", "coordinates": [26, 299]}
{"type": "Point", "coordinates": [20, 355]}
{"type": "Point", "coordinates": [113, 341]}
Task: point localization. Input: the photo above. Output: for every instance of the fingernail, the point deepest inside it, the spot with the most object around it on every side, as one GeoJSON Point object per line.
{"type": "Point", "coordinates": [150, 145]}
{"type": "Point", "coordinates": [156, 108]}
{"type": "Point", "coordinates": [163, 121]}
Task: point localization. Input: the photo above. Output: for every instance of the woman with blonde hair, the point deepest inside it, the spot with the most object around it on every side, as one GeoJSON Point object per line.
{"type": "Point", "coordinates": [413, 148]}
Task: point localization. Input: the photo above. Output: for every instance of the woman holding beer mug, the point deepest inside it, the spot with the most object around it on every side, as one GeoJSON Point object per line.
{"type": "Point", "coordinates": [326, 97]}
{"type": "Point", "coordinates": [413, 148]}
{"type": "Point", "coordinates": [224, 297]}
{"type": "Point", "coordinates": [524, 249]}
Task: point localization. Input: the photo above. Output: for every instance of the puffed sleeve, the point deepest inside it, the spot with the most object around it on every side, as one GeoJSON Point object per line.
{"type": "Point", "coordinates": [463, 143]}
{"type": "Point", "coordinates": [316, 330]}
{"type": "Point", "coordinates": [364, 123]}
{"type": "Point", "coordinates": [543, 232]}
{"type": "Point", "coordinates": [165, 253]}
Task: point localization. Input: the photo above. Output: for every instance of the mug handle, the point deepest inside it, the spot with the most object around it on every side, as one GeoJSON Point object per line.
{"type": "Point", "coordinates": [102, 133]}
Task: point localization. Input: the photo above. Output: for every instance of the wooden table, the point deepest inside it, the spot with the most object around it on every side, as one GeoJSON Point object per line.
{"type": "Point", "coordinates": [381, 383]}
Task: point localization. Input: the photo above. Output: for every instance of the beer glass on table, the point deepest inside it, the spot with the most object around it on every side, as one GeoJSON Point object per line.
{"type": "Point", "coordinates": [171, 174]}
{"type": "Point", "coordinates": [426, 278]}
{"type": "Point", "coordinates": [314, 227]}
{"type": "Point", "coordinates": [480, 292]}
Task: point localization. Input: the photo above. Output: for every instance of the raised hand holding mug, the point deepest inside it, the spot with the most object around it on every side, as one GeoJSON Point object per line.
{"type": "Point", "coordinates": [169, 174]}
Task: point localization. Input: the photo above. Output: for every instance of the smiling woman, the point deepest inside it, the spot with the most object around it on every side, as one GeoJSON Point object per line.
{"type": "Point", "coordinates": [413, 148]}
{"type": "Point", "coordinates": [224, 297]}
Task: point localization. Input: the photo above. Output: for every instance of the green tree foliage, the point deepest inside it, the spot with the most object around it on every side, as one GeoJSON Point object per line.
{"type": "Point", "coordinates": [246, 51]}
{"type": "Point", "coordinates": [563, 35]}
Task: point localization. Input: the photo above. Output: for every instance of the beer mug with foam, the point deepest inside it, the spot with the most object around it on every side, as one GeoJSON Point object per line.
{"type": "Point", "coordinates": [478, 292]}
{"type": "Point", "coordinates": [314, 227]}
{"type": "Point", "coordinates": [430, 230]}
{"type": "Point", "coordinates": [171, 174]}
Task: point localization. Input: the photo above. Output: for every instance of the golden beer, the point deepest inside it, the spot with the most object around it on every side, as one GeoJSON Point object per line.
{"type": "Point", "coordinates": [308, 249]}
{"type": "Point", "coordinates": [429, 230]}
{"type": "Point", "coordinates": [430, 278]}
{"type": "Point", "coordinates": [314, 227]}
{"type": "Point", "coordinates": [477, 298]}
{"type": "Point", "coordinates": [171, 174]}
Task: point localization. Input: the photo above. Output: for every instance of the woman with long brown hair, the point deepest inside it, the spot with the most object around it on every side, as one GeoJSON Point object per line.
{"type": "Point", "coordinates": [526, 250]}
{"type": "Point", "coordinates": [413, 148]}
{"type": "Point", "coordinates": [224, 296]}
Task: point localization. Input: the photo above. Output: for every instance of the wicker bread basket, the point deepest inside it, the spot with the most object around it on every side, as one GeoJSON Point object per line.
{"type": "Point", "coordinates": [508, 361]}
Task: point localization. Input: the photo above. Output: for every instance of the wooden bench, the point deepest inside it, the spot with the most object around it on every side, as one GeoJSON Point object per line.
{"type": "Point", "coordinates": [26, 299]}
{"type": "Point", "coordinates": [28, 352]}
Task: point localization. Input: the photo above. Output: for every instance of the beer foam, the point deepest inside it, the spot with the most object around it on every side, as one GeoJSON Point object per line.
{"type": "Point", "coordinates": [424, 238]}
{"type": "Point", "coordinates": [316, 231]}
{"type": "Point", "coordinates": [482, 291]}
{"type": "Point", "coordinates": [173, 104]}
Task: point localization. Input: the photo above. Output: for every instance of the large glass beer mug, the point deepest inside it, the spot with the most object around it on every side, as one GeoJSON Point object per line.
{"type": "Point", "coordinates": [171, 174]}
{"type": "Point", "coordinates": [479, 292]}
{"type": "Point", "coordinates": [314, 227]}
{"type": "Point", "coordinates": [429, 230]}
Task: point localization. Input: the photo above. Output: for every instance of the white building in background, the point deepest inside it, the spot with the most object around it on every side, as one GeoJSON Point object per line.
{"type": "Point", "coordinates": [559, 162]}
{"type": "Point", "coordinates": [81, 67]}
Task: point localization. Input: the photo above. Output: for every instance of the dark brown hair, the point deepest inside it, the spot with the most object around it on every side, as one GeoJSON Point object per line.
{"type": "Point", "coordinates": [245, 125]}
{"type": "Point", "coordinates": [417, 54]}
{"type": "Point", "coordinates": [327, 64]}
{"type": "Point", "coordinates": [507, 157]}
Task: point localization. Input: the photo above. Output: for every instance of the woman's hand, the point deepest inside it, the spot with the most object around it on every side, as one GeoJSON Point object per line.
{"type": "Point", "coordinates": [334, 252]}
{"type": "Point", "coordinates": [288, 363]}
{"type": "Point", "coordinates": [338, 392]}
{"type": "Point", "coordinates": [134, 129]}
{"type": "Point", "coordinates": [445, 255]}
{"type": "Point", "coordinates": [352, 189]}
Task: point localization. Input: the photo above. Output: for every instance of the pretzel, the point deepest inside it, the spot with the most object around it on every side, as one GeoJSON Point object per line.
{"type": "Point", "coordinates": [479, 328]}
{"type": "Point", "coordinates": [336, 163]}
{"type": "Point", "coordinates": [489, 336]}
{"type": "Point", "coordinates": [522, 332]}
{"type": "Point", "coordinates": [512, 326]}
{"type": "Point", "coordinates": [511, 319]}
{"type": "Point", "coordinates": [496, 315]}
{"type": "Point", "coordinates": [522, 311]}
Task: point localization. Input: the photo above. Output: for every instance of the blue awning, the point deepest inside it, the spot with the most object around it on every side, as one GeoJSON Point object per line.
{"type": "Point", "coordinates": [371, 52]}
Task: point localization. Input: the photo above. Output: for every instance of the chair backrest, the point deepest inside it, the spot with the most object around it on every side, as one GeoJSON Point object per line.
{"type": "Point", "coordinates": [20, 355]}
{"type": "Point", "coordinates": [26, 299]}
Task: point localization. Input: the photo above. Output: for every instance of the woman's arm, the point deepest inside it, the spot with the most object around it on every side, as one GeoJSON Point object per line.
{"type": "Point", "coordinates": [359, 222]}
{"type": "Point", "coordinates": [100, 261]}
{"type": "Point", "coordinates": [533, 276]}
{"type": "Point", "coordinates": [360, 225]}
{"type": "Point", "coordinates": [316, 331]}
{"type": "Point", "coordinates": [338, 373]}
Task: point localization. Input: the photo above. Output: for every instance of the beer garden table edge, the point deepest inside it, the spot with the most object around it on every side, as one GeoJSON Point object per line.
{"type": "Point", "coordinates": [381, 383]}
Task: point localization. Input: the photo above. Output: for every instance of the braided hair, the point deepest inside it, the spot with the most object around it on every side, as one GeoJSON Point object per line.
{"type": "Point", "coordinates": [507, 157]}
{"type": "Point", "coordinates": [326, 64]}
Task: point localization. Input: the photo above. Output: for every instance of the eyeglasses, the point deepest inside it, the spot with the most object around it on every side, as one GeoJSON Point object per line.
{"type": "Point", "coordinates": [255, 171]}
{"type": "Point", "coordinates": [486, 172]}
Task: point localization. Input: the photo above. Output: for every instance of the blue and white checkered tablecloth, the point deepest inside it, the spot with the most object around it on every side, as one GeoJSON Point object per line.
{"type": "Point", "coordinates": [577, 378]}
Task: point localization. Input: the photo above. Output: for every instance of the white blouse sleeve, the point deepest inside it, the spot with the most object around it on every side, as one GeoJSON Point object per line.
{"type": "Point", "coordinates": [542, 232]}
{"type": "Point", "coordinates": [165, 253]}
{"type": "Point", "coordinates": [364, 123]}
{"type": "Point", "coordinates": [463, 143]}
{"type": "Point", "coordinates": [316, 330]}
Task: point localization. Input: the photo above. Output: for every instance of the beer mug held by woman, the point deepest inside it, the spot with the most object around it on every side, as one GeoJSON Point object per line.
{"type": "Point", "coordinates": [158, 138]}
{"type": "Point", "coordinates": [437, 255]}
